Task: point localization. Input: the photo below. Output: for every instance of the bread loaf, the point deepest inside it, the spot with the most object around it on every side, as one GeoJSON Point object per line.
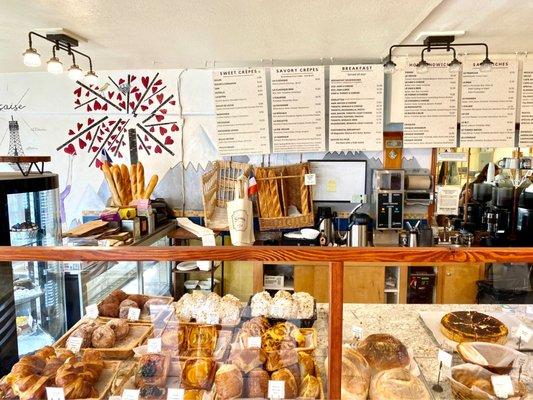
{"type": "Point", "coordinates": [228, 381]}
{"type": "Point", "coordinates": [310, 388]}
{"type": "Point", "coordinates": [111, 184]}
{"type": "Point", "coordinates": [256, 384]}
{"type": "Point", "coordinates": [383, 351]}
{"type": "Point", "coordinates": [397, 384]}
{"type": "Point", "coordinates": [198, 373]}
{"type": "Point", "coordinates": [140, 180]}
{"type": "Point", "coordinates": [291, 387]}
{"type": "Point", "coordinates": [126, 183]}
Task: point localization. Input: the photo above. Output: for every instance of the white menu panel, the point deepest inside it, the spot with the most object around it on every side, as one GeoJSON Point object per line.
{"type": "Point", "coordinates": [298, 120]}
{"type": "Point", "coordinates": [356, 107]}
{"type": "Point", "coordinates": [488, 103]}
{"type": "Point", "coordinates": [430, 105]}
{"type": "Point", "coordinates": [526, 115]}
{"type": "Point", "coordinates": [242, 111]}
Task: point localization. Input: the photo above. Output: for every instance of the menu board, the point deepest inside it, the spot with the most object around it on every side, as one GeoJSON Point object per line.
{"type": "Point", "coordinates": [356, 107]}
{"type": "Point", "coordinates": [242, 111]}
{"type": "Point", "coordinates": [298, 120]}
{"type": "Point", "coordinates": [430, 105]}
{"type": "Point", "coordinates": [526, 115]}
{"type": "Point", "coordinates": [488, 103]}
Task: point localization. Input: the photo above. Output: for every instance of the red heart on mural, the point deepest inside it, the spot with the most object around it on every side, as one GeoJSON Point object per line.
{"type": "Point", "coordinates": [137, 96]}
{"type": "Point", "coordinates": [133, 77]}
{"type": "Point", "coordinates": [70, 149]}
{"type": "Point", "coordinates": [145, 81]}
{"type": "Point", "coordinates": [97, 105]}
{"type": "Point", "coordinates": [113, 148]}
{"type": "Point", "coordinates": [154, 89]}
{"type": "Point", "coordinates": [79, 125]}
{"type": "Point", "coordinates": [172, 102]}
{"type": "Point", "coordinates": [168, 140]}
{"type": "Point", "coordinates": [104, 107]}
{"type": "Point", "coordinates": [160, 97]}
{"type": "Point", "coordinates": [94, 148]}
{"type": "Point", "coordinates": [87, 94]}
{"type": "Point", "coordinates": [150, 101]}
{"type": "Point", "coordinates": [144, 108]}
{"type": "Point", "coordinates": [145, 138]}
{"type": "Point", "coordinates": [132, 104]}
{"type": "Point", "coordinates": [89, 108]}
{"type": "Point", "coordinates": [119, 96]}
{"type": "Point", "coordinates": [71, 132]}
{"type": "Point", "coordinates": [112, 122]}
{"type": "Point", "coordinates": [159, 82]}
{"type": "Point", "coordinates": [90, 121]}
{"type": "Point", "coordinates": [159, 118]}
{"type": "Point", "coordinates": [82, 143]}
{"type": "Point", "coordinates": [121, 81]}
{"type": "Point", "coordinates": [113, 137]}
{"type": "Point", "coordinates": [149, 147]}
{"type": "Point", "coordinates": [140, 147]}
{"type": "Point", "coordinates": [135, 89]}
{"type": "Point", "coordinates": [89, 136]}
{"type": "Point", "coordinates": [110, 94]}
{"type": "Point", "coordinates": [119, 154]}
{"type": "Point", "coordinates": [158, 149]}
{"type": "Point", "coordinates": [77, 102]}
{"type": "Point", "coordinates": [162, 130]}
{"type": "Point", "coordinates": [174, 128]}
{"type": "Point", "coordinates": [98, 163]}
{"type": "Point", "coordinates": [152, 129]}
{"type": "Point", "coordinates": [77, 92]}
{"type": "Point", "coordinates": [99, 138]}
{"type": "Point", "coordinates": [122, 105]}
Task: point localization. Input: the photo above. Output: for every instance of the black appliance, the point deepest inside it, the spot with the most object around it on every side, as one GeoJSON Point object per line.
{"type": "Point", "coordinates": [498, 216]}
{"type": "Point", "coordinates": [524, 218]}
{"type": "Point", "coordinates": [421, 285]}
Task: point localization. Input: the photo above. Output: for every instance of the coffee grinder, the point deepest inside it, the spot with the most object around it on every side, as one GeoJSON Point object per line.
{"type": "Point", "coordinates": [389, 198]}
{"type": "Point", "coordinates": [498, 216]}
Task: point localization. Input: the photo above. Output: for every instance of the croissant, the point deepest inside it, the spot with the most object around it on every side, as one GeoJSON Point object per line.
{"type": "Point", "coordinates": [32, 387]}
{"type": "Point", "coordinates": [46, 352]}
{"type": "Point", "coordinates": [79, 388]}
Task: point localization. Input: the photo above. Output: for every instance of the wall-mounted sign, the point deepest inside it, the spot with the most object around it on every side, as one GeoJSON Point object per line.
{"type": "Point", "coordinates": [526, 113]}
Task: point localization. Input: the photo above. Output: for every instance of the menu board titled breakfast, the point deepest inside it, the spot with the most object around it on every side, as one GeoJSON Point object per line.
{"type": "Point", "coordinates": [242, 111]}
{"type": "Point", "coordinates": [430, 105]}
{"type": "Point", "coordinates": [356, 107]}
{"type": "Point", "coordinates": [526, 114]}
{"type": "Point", "coordinates": [298, 114]}
{"type": "Point", "coordinates": [488, 103]}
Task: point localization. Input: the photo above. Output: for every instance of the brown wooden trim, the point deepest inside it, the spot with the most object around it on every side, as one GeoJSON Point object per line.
{"type": "Point", "coordinates": [403, 283]}
{"type": "Point", "coordinates": [336, 278]}
{"type": "Point", "coordinates": [24, 159]}
{"type": "Point", "coordinates": [257, 277]}
{"type": "Point", "coordinates": [269, 253]}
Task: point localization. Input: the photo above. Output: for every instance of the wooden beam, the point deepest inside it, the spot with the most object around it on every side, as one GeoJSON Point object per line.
{"type": "Point", "coordinates": [336, 278]}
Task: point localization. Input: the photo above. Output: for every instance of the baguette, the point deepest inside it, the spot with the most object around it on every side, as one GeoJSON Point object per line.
{"type": "Point", "coordinates": [117, 177]}
{"type": "Point", "coordinates": [304, 193]}
{"type": "Point", "coordinates": [126, 183]}
{"type": "Point", "coordinates": [133, 181]}
{"type": "Point", "coordinates": [151, 186]}
{"type": "Point", "coordinates": [262, 192]}
{"type": "Point", "coordinates": [111, 183]}
{"type": "Point", "coordinates": [140, 180]}
{"type": "Point", "coordinates": [273, 198]}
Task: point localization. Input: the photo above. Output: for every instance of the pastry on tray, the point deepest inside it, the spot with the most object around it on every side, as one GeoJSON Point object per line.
{"type": "Point", "coordinates": [198, 373]}
{"type": "Point", "coordinates": [291, 386]}
{"type": "Point", "coordinates": [247, 359]}
{"type": "Point", "coordinates": [473, 326]}
{"type": "Point", "coordinates": [256, 384]}
{"type": "Point", "coordinates": [228, 381]}
{"type": "Point", "coordinates": [383, 351]}
{"type": "Point", "coordinates": [310, 387]}
{"type": "Point", "coordinates": [279, 359]}
{"type": "Point", "coordinates": [118, 303]}
{"type": "Point", "coordinates": [152, 392]}
{"type": "Point", "coordinates": [397, 384]}
{"type": "Point", "coordinates": [202, 337]}
{"type": "Point", "coordinates": [152, 370]}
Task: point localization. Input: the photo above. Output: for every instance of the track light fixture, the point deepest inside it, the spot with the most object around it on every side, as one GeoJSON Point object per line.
{"type": "Point", "coordinates": [60, 42]}
{"type": "Point", "coordinates": [439, 42]}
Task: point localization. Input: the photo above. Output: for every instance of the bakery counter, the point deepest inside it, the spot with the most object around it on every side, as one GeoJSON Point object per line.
{"type": "Point", "coordinates": [404, 322]}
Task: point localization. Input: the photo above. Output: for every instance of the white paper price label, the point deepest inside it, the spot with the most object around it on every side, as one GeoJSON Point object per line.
{"type": "Point", "coordinates": [115, 398]}
{"type": "Point", "coordinates": [357, 332]}
{"type": "Point", "coordinates": [522, 361]}
{"type": "Point", "coordinates": [310, 179]}
{"type": "Point", "coordinates": [175, 394]}
{"type": "Point", "coordinates": [276, 389]}
{"type": "Point", "coordinates": [74, 344]}
{"type": "Point", "coordinates": [158, 308]}
{"type": "Point", "coordinates": [524, 333]}
{"type": "Point", "coordinates": [134, 314]}
{"type": "Point", "coordinates": [254, 342]}
{"type": "Point", "coordinates": [55, 393]}
{"type": "Point", "coordinates": [91, 311]}
{"type": "Point", "coordinates": [130, 394]}
{"type": "Point", "coordinates": [154, 345]}
{"type": "Point", "coordinates": [502, 385]}
{"type": "Point", "coordinates": [529, 310]}
{"type": "Point", "coordinates": [445, 358]}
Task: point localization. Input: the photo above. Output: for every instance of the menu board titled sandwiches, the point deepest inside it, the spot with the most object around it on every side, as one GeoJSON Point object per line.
{"type": "Point", "coordinates": [488, 103]}
{"type": "Point", "coordinates": [430, 105]}
{"type": "Point", "coordinates": [242, 111]}
{"type": "Point", "coordinates": [356, 107]}
{"type": "Point", "coordinates": [298, 114]}
{"type": "Point", "coordinates": [526, 113]}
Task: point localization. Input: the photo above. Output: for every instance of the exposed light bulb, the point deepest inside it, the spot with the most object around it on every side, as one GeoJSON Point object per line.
{"type": "Point", "coordinates": [31, 58]}
{"type": "Point", "coordinates": [486, 65]}
{"type": "Point", "coordinates": [54, 66]}
{"type": "Point", "coordinates": [455, 65]}
{"type": "Point", "coordinates": [75, 73]}
{"type": "Point", "coordinates": [422, 67]}
{"type": "Point", "coordinates": [389, 67]}
{"type": "Point", "coordinates": [91, 78]}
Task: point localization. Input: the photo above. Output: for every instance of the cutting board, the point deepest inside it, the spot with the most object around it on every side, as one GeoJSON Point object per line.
{"type": "Point", "coordinates": [87, 229]}
{"type": "Point", "coordinates": [432, 321]}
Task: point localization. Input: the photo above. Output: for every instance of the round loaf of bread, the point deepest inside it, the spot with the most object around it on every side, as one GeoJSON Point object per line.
{"type": "Point", "coordinates": [473, 326]}
{"type": "Point", "coordinates": [397, 384]}
{"type": "Point", "coordinates": [383, 351]}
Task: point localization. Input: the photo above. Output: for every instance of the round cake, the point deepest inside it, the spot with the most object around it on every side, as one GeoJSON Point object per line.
{"type": "Point", "coordinates": [473, 326]}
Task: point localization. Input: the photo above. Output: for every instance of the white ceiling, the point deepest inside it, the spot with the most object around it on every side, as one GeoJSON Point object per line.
{"type": "Point", "coordinates": [129, 34]}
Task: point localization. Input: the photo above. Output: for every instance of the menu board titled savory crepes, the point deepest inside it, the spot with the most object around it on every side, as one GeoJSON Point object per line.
{"type": "Point", "coordinates": [526, 108]}
{"type": "Point", "coordinates": [356, 107]}
{"type": "Point", "coordinates": [430, 105]}
{"type": "Point", "coordinates": [298, 115]}
{"type": "Point", "coordinates": [488, 103]}
{"type": "Point", "coordinates": [242, 111]}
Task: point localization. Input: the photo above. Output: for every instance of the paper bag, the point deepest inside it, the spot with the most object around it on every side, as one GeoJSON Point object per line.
{"type": "Point", "coordinates": [240, 215]}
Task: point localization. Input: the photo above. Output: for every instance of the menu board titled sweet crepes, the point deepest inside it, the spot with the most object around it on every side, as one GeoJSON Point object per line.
{"type": "Point", "coordinates": [356, 107]}
{"type": "Point", "coordinates": [526, 114]}
{"type": "Point", "coordinates": [298, 115]}
{"type": "Point", "coordinates": [242, 111]}
{"type": "Point", "coordinates": [430, 105]}
{"type": "Point", "coordinates": [488, 103]}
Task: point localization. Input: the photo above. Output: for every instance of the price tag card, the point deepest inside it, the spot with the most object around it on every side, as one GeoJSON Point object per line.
{"type": "Point", "coordinates": [158, 308]}
{"type": "Point", "coordinates": [523, 361]}
{"type": "Point", "coordinates": [524, 333]}
{"type": "Point", "coordinates": [91, 311]}
{"type": "Point", "coordinates": [310, 179]}
{"type": "Point", "coordinates": [445, 358]}
{"type": "Point", "coordinates": [175, 394]}
{"type": "Point", "coordinates": [115, 398]}
{"type": "Point", "coordinates": [529, 310]}
{"type": "Point", "coordinates": [276, 389]}
{"type": "Point", "coordinates": [130, 394]}
{"type": "Point", "coordinates": [357, 332]}
{"type": "Point", "coordinates": [134, 314]}
{"type": "Point", "coordinates": [154, 345]}
{"type": "Point", "coordinates": [74, 344]}
{"type": "Point", "coordinates": [55, 393]}
{"type": "Point", "coordinates": [254, 342]}
{"type": "Point", "coordinates": [502, 385]}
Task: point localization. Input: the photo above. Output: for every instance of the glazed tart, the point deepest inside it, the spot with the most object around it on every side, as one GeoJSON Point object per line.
{"type": "Point", "coordinates": [473, 326]}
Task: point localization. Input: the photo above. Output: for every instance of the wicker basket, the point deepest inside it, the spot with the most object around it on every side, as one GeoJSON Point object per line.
{"type": "Point", "coordinates": [278, 188]}
{"type": "Point", "coordinates": [218, 187]}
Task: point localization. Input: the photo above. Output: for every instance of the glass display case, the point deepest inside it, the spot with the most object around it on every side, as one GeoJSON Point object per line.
{"type": "Point", "coordinates": [30, 217]}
